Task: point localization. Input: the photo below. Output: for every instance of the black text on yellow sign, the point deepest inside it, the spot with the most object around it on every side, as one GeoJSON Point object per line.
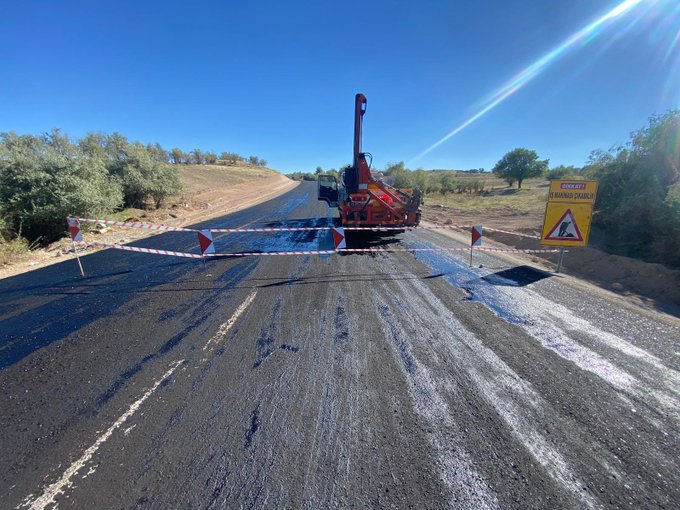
{"type": "Point", "coordinates": [573, 192]}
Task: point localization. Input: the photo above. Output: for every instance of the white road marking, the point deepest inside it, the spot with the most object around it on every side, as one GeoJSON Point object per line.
{"type": "Point", "coordinates": [497, 382]}
{"type": "Point", "coordinates": [51, 492]}
{"type": "Point", "coordinates": [224, 328]}
{"type": "Point", "coordinates": [455, 466]}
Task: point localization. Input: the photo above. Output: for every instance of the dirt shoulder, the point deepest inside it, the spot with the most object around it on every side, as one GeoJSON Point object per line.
{"type": "Point", "coordinates": [649, 285]}
{"type": "Point", "coordinates": [210, 191]}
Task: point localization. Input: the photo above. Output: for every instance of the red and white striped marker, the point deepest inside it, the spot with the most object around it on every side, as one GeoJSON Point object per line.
{"type": "Point", "coordinates": [205, 241]}
{"type": "Point", "coordinates": [476, 235]}
{"type": "Point", "coordinates": [339, 240]}
{"type": "Point", "coordinates": [74, 229]}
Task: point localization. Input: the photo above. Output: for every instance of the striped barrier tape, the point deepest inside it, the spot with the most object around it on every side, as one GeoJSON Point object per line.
{"type": "Point", "coordinates": [166, 228]}
{"type": "Point", "coordinates": [274, 253]}
{"type": "Point", "coordinates": [146, 226]}
{"type": "Point", "coordinates": [367, 250]}
{"type": "Point", "coordinates": [520, 234]}
{"type": "Point", "coordinates": [147, 250]}
{"type": "Point", "coordinates": [304, 252]}
{"type": "Point", "coordinates": [389, 250]}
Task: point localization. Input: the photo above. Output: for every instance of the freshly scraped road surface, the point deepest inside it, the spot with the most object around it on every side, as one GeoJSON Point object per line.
{"type": "Point", "coordinates": [386, 381]}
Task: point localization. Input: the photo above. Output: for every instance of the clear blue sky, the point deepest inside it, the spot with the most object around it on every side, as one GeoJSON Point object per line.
{"type": "Point", "coordinates": [277, 79]}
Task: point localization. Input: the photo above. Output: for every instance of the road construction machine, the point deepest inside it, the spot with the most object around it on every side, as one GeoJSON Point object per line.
{"type": "Point", "coordinates": [362, 199]}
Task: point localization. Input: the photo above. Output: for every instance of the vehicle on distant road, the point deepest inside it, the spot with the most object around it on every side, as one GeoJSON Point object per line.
{"type": "Point", "coordinates": [363, 199]}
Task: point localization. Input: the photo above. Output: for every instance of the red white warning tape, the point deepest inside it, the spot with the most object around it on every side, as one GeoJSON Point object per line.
{"type": "Point", "coordinates": [510, 232]}
{"type": "Point", "coordinates": [208, 249]}
{"type": "Point", "coordinates": [389, 250]}
{"type": "Point", "coordinates": [303, 252]}
{"type": "Point", "coordinates": [146, 226]}
{"type": "Point", "coordinates": [274, 253]}
{"type": "Point", "coordinates": [147, 250]}
{"type": "Point", "coordinates": [166, 228]}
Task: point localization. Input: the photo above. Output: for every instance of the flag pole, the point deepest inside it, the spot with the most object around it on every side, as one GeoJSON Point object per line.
{"type": "Point", "coordinates": [75, 250]}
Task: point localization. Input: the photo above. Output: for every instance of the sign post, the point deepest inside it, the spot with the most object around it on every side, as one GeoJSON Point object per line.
{"type": "Point", "coordinates": [560, 260]}
{"type": "Point", "coordinates": [568, 214]}
{"type": "Point", "coordinates": [76, 235]}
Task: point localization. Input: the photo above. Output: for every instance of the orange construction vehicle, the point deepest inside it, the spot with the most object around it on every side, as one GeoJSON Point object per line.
{"type": "Point", "coordinates": [363, 200]}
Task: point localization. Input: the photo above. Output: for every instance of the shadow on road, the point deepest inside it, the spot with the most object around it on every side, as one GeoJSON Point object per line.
{"type": "Point", "coordinates": [519, 276]}
{"type": "Point", "coordinates": [341, 278]}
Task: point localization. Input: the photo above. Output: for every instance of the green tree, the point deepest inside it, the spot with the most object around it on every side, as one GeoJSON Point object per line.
{"type": "Point", "coordinates": [42, 180]}
{"type": "Point", "coordinates": [563, 172]}
{"type": "Point", "coordinates": [447, 183]}
{"type": "Point", "coordinates": [144, 178]}
{"type": "Point", "coordinates": [395, 168]}
{"type": "Point", "coordinates": [434, 185]}
{"type": "Point", "coordinates": [158, 153]}
{"type": "Point", "coordinates": [231, 158]}
{"type": "Point", "coordinates": [637, 199]}
{"type": "Point", "coordinates": [94, 145]}
{"type": "Point", "coordinates": [197, 157]}
{"type": "Point", "coordinates": [520, 164]}
{"type": "Point", "coordinates": [420, 180]}
{"type": "Point", "coordinates": [178, 156]}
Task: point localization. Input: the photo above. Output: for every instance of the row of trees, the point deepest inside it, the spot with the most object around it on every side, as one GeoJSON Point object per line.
{"type": "Point", "coordinates": [177, 156]}
{"type": "Point", "coordinates": [396, 174]}
{"type": "Point", "coordinates": [44, 178]}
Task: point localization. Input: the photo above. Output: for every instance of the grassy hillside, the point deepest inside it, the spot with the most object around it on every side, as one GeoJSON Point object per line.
{"type": "Point", "coordinates": [497, 197]}
{"type": "Point", "coordinates": [197, 178]}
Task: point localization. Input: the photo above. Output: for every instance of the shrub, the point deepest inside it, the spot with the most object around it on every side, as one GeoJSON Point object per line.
{"type": "Point", "coordinates": [41, 184]}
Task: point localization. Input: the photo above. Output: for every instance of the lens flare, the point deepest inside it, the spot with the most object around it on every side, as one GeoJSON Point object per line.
{"type": "Point", "coordinates": [580, 37]}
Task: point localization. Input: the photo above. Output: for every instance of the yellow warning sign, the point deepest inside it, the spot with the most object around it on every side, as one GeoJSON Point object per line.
{"type": "Point", "coordinates": [573, 192]}
{"type": "Point", "coordinates": [566, 224]}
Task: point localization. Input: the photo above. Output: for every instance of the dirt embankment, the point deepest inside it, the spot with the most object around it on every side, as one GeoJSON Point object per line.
{"type": "Point", "coordinates": [653, 285]}
{"type": "Point", "coordinates": [210, 191]}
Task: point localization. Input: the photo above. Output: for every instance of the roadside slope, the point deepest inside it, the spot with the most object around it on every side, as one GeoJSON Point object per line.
{"type": "Point", "coordinates": [210, 191]}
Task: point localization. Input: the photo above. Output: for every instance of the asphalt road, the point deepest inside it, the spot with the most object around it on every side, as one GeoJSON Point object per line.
{"type": "Point", "coordinates": [360, 381]}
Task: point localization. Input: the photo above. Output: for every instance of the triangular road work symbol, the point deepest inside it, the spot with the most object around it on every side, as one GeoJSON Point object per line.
{"type": "Point", "coordinates": [339, 238]}
{"type": "Point", "coordinates": [565, 229]}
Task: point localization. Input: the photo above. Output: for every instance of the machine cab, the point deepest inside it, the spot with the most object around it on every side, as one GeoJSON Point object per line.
{"type": "Point", "coordinates": [327, 189]}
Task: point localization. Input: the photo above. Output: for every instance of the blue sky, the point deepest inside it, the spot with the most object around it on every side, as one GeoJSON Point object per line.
{"type": "Point", "coordinates": [277, 79]}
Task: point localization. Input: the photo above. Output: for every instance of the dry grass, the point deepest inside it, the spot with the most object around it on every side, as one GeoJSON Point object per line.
{"type": "Point", "coordinates": [198, 178]}
{"type": "Point", "coordinates": [14, 251]}
{"type": "Point", "coordinates": [498, 197]}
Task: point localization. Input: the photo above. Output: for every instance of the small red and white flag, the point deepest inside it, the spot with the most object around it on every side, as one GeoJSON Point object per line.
{"type": "Point", "coordinates": [339, 238]}
{"type": "Point", "coordinates": [74, 228]}
{"type": "Point", "coordinates": [476, 235]}
{"type": "Point", "coordinates": [205, 240]}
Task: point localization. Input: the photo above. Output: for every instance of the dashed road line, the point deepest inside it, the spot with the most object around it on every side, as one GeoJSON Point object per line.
{"type": "Point", "coordinates": [52, 491]}
{"type": "Point", "coordinates": [224, 328]}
